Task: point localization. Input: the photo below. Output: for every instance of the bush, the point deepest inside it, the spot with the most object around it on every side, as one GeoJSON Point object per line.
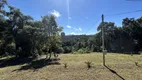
{"type": "Point", "coordinates": [65, 65]}
{"type": "Point", "coordinates": [83, 50]}
{"type": "Point", "coordinates": [67, 49]}
{"type": "Point", "coordinates": [60, 50]}
{"type": "Point", "coordinates": [74, 52]}
{"type": "Point", "coordinates": [87, 50]}
{"type": "Point", "coordinates": [89, 64]}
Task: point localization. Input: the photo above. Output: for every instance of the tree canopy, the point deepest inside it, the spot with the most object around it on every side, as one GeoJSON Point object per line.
{"type": "Point", "coordinates": [22, 36]}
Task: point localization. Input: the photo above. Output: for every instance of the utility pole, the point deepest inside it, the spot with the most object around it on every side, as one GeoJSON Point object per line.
{"type": "Point", "coordinates": [103, 48]}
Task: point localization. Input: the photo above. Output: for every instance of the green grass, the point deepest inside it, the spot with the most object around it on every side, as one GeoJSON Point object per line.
{"type": "Point", "coordinates": [122, 64]}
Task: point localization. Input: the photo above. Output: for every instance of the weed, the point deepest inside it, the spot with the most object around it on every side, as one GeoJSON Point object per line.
{"type": "Point", "coordinates": [136, 63]}
{"type": "Point", "coordinates": [65, 65]}
{"type": "Point", "coordinates": [89, 64]}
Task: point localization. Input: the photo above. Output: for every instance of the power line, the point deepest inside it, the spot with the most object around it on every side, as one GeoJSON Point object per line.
{"type": "Point", "coordinates": [114, 15]}
{"type": "Point", "coordinates": [93, 25]}
{"type": "Point", "coordinates": [124, 13]}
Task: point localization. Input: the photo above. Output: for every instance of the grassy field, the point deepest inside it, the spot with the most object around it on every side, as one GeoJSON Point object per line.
{"type": "Point", "coordinates": [119, 66]}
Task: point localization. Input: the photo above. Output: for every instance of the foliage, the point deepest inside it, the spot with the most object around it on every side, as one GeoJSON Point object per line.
{"type": "Point", "coordinates": [67, 49]}
{"type": "Point", "coordinates": [22, 36]}
{"type": "Point", "coordinates": [83, 50]}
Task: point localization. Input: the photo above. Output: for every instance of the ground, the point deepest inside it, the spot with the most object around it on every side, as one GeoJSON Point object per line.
{"type": "Point", "coordinates": [118, 67]}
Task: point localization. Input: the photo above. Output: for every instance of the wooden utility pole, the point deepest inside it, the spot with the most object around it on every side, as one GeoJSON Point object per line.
{"type": "Point", "coordinates": [103, 48]}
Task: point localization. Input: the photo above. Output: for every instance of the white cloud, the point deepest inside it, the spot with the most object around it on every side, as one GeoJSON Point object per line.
{"type": "Point", "coordinates": [56, 13]}
{"type": "Point", "coordinates": [68, 26]}
{"type": "Point", "coordinates": [86, 18]}
{"type": "Point", "coordinates": [73, 33]}
{"type": "Point", "coordinates": [77, 29]}
{"type": "Point", "coordinates": [69, 18]}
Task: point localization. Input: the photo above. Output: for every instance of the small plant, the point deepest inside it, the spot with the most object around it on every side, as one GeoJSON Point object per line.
{"type": "Point", "coordinates": [65, 65]}
{"type": "Point", "coordinates": [83, 50]}
{"type": "Point", "coordinates": [136, 63]}
{"type": "Point", "coordinates": [89, 64]}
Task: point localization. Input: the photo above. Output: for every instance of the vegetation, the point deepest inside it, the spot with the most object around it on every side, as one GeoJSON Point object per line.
{"type": "Point", "coordinates": [89, 64]}
{"type": "Point", "coordinates": [22, 36]}
{"type": "Point", "coordinates": [125, 39]}
{"type": "Point", "coordinates": [27, 48]}
{"type": "Point", "coordinates": [65, 65]}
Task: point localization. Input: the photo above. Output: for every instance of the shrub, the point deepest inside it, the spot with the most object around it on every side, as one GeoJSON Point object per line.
{"type": "Point", "coordinates": [65, 65]}
{"type": "Point", "coordinates": [67, 49]}
{"type": "Point", "coordinates": [60, 50]}
{"type": "Point", "coordinates": [87, 50]}
{"type": "Point", "coordinates": [74, 52]}
{"type": "Point", "coordinates": [83, 50]}
{"type": "Point", "coordinates": [89, 64]}
{"type": "Point", "coordinates": [136, 63]}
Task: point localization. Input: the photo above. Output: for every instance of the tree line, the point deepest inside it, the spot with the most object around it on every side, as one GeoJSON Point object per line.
{"type": "Point", "coordinates": [119, 39]}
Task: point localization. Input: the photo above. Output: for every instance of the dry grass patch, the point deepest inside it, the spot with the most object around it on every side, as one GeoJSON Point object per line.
{"type": "Point", "coordinates": [124, 65]}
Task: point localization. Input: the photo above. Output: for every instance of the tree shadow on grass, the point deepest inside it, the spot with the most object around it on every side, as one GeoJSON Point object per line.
{"type": "Point", "coordinates": [14, 61]}
{"type": "Point", "coordinates": [114, 72]}
{"type": "Point", "coordinates": [37, 64]}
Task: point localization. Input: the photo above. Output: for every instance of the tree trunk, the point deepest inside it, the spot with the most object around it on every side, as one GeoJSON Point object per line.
{"type": "Point", "coordinates": [55, 55]}
{"type": "Point", "coordinates": [46, 56]}
{"type": "Point", "coordinates": [49, 56]}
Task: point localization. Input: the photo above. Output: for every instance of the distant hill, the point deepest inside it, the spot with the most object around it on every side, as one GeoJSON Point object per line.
{"type": "Point", "coordinates": [75, 37]}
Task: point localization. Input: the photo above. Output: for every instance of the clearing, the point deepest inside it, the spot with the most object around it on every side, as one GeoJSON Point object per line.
{"type": "Point", "coordinates": [119, 66]}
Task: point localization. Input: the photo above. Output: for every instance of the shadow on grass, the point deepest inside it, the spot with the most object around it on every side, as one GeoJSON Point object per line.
{"type": "Point", "coordinates": [14, 61]}
{"type": "Point", "coordinates": [114, 72]}
{"type": "Point", "coordinates": [37, 64]}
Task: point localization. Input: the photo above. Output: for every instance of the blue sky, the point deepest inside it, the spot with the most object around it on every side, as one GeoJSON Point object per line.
{"type": "Point", "coordinates": [79, 16]}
